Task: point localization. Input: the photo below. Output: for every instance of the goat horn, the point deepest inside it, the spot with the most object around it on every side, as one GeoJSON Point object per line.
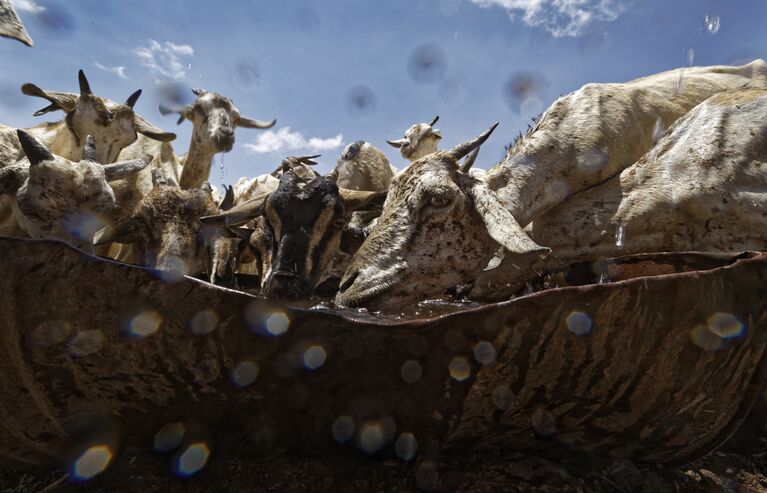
{"type": "Point", "coordinates": [199, 92]}
{"type": "Point", "coordinates": [239, 214]}
{"type": "Point", "coordinates": [469, 161]}
{"type": "Point", "coordinates": [461, 150]}
{"type": "Point", "coordinates": [89, 149]}
{"type": "Point", "coordinates": [85, 87]}
{"type": "Point", "coordinates": [253, 123]}
{"type": "Point", "coordinates": [123, 169]}
{"type": "Point", "coordinates": [131, 101]}
{"type": "Point", "coordinates": [436, 119]}
{"type": "Point", "coordinates": [34, 150]}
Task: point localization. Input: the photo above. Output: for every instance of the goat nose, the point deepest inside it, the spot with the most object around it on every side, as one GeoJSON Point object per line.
{"type": "Point", "coordinates": [227, 131]}
{"type": "Point", "coordinates": [348, 281]}
{"type": "Point", "coordinates": [283, 284]}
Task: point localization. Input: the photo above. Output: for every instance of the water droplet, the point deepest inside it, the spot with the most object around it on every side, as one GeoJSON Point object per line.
{"type": "Point", "coordinates": [371, 436]}
{"type": "Point", "coordinates": [92, 462]}
{"type": "Point", "coordinates": [314, 357]}
{"type": "Point", "coordinates": [411, 371]}
{"type": "Point", "coordinates": [192, 460]}
{"type": "Point", "coordinates": [460, 369]}
{"type": "Point", "coordinates": [169, 437]}
{"type": "Point", "coordinates": [484, 353]}
{"type": "Point", "coordinates": [524, 92]}
{"type": "Point", "coordinates": [245, 373]}
{"type": "Point", "coordinates": [619, 236]}
{"type": "Point", "coordinates": [725, 325]}
{"type": "Point", "coordinates": [702, 337]}
{"type": "Point", "coordinates": [406, 446]}
{"type": "Point", "coordinates": [657, 130]}
{"type": "Point", "coordinates": [711, 23]}
{"type": "Point", "coordinates": [361, 101]}
{"type": "Point", "coordinates": [343, 429]}
{"type": "Point", "coordinates": [503, 397]}
{"type": "Point", "coordinates": [204, 322]}
{"type": "Point", "coordinates": [86, 342]}
{"type": "Point", "coordinates": [277, 323]}
{"type": "Point", "coordinates": [144, 324]}
{"type": "Point", "coordinates": [427, 64]}
{"type": "Point", "coordinates": [579, 323]}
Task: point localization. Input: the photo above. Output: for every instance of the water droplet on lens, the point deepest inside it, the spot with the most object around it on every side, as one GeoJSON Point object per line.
{"type": "Point", "coordinates": [484, 353]}
{"type": "Point", "coordinates": [460, 369]}
{"type": "Point", "coordinates": [406, 446]}
{"type": "Point", "coordinates": [579, 323]}
{"type": "Point", "coordinates": [427, 64]}
{"type": "Point", "coordinates": [192, 460]}
{"type": "Point", "coordinates": [411, 371]}
{"type": "Point", "coordinates": [343, 429]}
{"type": "Point", "coordinates": [92, 462]}
{"type": "Point", "coordinates": [361, 101]}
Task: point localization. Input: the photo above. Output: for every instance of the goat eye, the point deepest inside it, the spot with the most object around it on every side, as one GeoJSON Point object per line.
{"type": "Point", "coordinates": [439, 202]}
{"type": "Point", "coordinates": [338, 223]}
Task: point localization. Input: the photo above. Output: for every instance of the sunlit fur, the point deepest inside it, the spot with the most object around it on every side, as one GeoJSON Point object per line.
{"type": "Point", "coordinates": [165, 231]}
{"type": "Point", "coordinates": [581, 140]}
{"type": "Point", "coordinates": [703, 187]}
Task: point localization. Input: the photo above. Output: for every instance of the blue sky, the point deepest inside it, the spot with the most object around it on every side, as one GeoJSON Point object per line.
{"type": "Point", "coordinates": [336, 71]}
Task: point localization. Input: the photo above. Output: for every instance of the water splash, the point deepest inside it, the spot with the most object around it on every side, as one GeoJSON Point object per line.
{"type": "Point", "coordinates": [620, 236]}
{"type": "Point", "coordinates": [690, 56]}
{"type": "Point", "coordinates": [711, 24]}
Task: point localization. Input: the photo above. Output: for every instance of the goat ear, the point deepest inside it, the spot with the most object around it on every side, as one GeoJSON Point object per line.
{"type": "Point", "coordinates": [253, 123]}
{"type": "Point", "coordinates": [144, 127]}
{"type": "Point", "coordinates": [238, 215]}
{"type": "Point", "coordinates": [228, 201]}
{"type": "Point", "coordinates": [11, 26]}
{"type": "Point", "coordinates": [357, 199]}
{"type": "Point", "coordinates": [184, 112]}
{"type": "Point", "coordinates": [125, 231]}
{"type": "Point", "coordinates": [500, 224]}
{"type": "Point", "coordinates": [12, 178]}
{"type": "Point", "coordinates": [64, 101]}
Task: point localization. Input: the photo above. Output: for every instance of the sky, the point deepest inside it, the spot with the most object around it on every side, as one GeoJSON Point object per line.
{"type": "Point", "coordinates": [336, 71]}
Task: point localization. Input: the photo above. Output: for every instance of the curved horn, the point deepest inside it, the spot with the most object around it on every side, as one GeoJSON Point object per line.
{"type": "Point", "coordinates": [89, 149]}
{"type": "Point", "coordinates": [34, 150]}
{"type": "Point", "coordinates": [253, 123]}
{"type": "Point", "coordinates": [461, 150]}
{"type": "Point", "coordinates": [309, 159]}
{"type": "Point", "coordinates": [469, 161]}
{"type": "Point", "coordinates": [85, 87]}
{"type": "Point", "coordinates": [397, 143]}
{"type": "Point", "coordinates": [123, 169]}
{"type": "Point", "coordinates": [436, 119]}
{"type": "Point", "coordinates": [131, 101]}
{"type": "Point", "coordinates": [199, 92]}
{"type": "Point", "coordinates": [239, 214]}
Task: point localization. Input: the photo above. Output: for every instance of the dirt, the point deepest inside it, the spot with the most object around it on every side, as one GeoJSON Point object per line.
{"type": "Point", "coordinates": [740, 465]}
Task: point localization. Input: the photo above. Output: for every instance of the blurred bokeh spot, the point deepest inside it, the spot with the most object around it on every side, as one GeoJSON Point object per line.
{"type": "Point", "coordinates": [427, 64]}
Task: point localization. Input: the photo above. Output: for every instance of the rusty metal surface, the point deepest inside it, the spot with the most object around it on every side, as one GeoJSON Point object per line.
{"type": "Point", "coordinates": [648, 380]}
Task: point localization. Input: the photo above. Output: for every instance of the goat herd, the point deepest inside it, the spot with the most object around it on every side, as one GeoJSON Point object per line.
{"type": "Point", "coordinates": [675, 161]}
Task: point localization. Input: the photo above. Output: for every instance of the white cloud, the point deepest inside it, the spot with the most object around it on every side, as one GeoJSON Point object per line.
{"type": "Point", "coordinates": [164, 60]}
{"type": "Point", "coordinates": [118, 71]}
{"type": "Point", "coordinates": [559, 17]}
{"type": "Point", "coordinates": [28, 6]}
{"type": "Point", "coordinates": [285, 140]}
